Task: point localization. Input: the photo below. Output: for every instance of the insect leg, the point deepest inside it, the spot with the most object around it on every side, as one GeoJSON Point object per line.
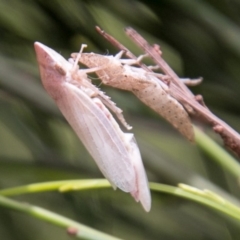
{"type": "Point", "coordinates": [106, 100]}
{"type": "Point", "coordinates": [191, 82]}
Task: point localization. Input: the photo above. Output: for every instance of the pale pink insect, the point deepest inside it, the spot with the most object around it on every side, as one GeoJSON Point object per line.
{"type": "Point", "coordinates": [82, 104]}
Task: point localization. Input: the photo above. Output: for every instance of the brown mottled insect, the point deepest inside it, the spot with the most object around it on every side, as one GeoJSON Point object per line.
{"type": "Point", "coordinates": [118, 73]}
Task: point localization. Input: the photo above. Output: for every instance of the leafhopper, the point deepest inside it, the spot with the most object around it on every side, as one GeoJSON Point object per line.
{"type": "Point", "coordinates": [119, 73]}
{"type": "Point", "coordinates": [83, 105]}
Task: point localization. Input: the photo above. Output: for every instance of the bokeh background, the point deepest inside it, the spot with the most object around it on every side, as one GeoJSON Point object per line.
{"type": "Point", "coordinates": [198, 38]}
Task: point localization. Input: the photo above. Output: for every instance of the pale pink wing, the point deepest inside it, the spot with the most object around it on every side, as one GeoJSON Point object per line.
{"type": "Point", "coordinates": [98, 136]}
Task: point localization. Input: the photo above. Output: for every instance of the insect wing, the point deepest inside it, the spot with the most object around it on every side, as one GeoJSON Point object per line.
{"type": "Point", "coordinates": [141, 192]}
{"type": "Point", "coordinates": [99, 137]}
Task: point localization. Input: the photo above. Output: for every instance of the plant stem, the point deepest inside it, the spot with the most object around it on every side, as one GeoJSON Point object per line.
{"type": "Point", "coordinates": [74, 228]}
{"type": "Point", "coordinates": [204, 197]}
{"type": "Point", "coordinates": [217, 153]}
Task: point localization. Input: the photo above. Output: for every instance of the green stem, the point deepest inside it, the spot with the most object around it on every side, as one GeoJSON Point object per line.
{"type": "Point", "coordinates": [75, 228]}
{"type": "Point", "coordinates": [217, 153]}
{"type": "Point", "coordinates": [66, 185]}
{"type": "Point", "coordinates": [204, 197]}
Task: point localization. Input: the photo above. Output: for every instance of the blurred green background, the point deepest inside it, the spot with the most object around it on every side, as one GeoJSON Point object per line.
{"type": "Point", "coordinates": [198, 38]}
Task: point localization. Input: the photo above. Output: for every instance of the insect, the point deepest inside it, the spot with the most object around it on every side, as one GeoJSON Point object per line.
{"type": "Point", "coordinates": [119, 73]}
{"type": "Point", "coordinates": [83, 105]}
